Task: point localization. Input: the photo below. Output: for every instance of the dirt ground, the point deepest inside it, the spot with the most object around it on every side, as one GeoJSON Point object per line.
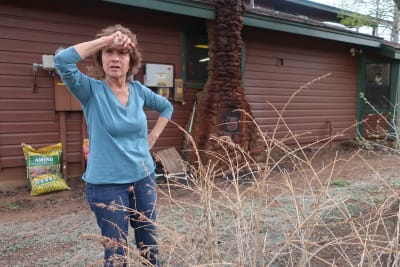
{"type": "Point", "coordinates": [18, 207]}
{"type": "Point", "coordinates": [17, 204]}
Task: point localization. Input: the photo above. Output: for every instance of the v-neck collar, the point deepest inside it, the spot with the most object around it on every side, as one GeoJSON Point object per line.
{"type": "Point", "coordinates": [115, 97]}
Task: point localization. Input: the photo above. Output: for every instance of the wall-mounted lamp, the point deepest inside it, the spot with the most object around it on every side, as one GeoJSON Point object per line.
{"type": "Point", "coordinates": [47, 64]}
{"type": "Point", "coordinates": [354, 51]}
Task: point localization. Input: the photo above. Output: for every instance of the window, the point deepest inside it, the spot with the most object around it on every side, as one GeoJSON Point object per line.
{"type": "Point", "coordinates": [377, 89]}
{"type": "Point", "coordinates": [196, 59]}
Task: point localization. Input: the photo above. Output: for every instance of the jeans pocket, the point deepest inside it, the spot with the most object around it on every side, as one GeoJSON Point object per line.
{"type": "Point", "coordinates": [107, 194]}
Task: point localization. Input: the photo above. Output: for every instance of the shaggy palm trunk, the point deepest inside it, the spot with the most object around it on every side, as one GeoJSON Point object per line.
{"type": "Point", "coordinates": [219, 104]}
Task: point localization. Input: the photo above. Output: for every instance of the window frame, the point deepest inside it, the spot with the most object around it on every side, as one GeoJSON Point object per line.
{"type": "Point", "coordinates": [186, 34]}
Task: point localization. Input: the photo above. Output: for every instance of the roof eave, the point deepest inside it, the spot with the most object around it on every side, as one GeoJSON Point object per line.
{"type": "Point", "coordinates": [316, 5]}
{"type": "Point", "coordinates": [206, 11]}
{"type": "Point", "coordinates": [310, 30]}
{"type": "Point", "coordinates": [390, 52]}
{"type": "Point", "coordinates": [188, 8]}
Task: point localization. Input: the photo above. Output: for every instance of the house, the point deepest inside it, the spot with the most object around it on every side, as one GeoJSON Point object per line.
{"type": "Point", "coordinates": [286, 44]}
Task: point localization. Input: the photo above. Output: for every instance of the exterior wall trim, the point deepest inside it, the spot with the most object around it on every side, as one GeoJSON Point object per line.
{"type": "Point", "coordinates": [193, 9]}
{"type": "Point", "coordinates": [360, 100]}
{"type": "Point", "coordinates": [394, 83]}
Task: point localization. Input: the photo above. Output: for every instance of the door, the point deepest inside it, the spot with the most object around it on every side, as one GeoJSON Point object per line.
{"type": "Point", "coordinates": [376, 99]}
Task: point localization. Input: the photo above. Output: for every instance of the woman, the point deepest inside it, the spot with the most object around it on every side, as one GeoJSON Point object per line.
{"type": "Point", "coordinates": [120, 169]}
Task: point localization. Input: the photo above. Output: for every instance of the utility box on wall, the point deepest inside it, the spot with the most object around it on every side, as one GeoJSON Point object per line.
{"type": "Point", "coordinates": [159, 75]}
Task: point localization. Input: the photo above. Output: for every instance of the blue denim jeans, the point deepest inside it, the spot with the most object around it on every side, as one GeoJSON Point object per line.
{"type": "Point", "coordinates": [118, 205]}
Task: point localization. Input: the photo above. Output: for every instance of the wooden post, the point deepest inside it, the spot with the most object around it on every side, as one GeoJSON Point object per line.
{"type": "Point", "coordinates": [63, 138]}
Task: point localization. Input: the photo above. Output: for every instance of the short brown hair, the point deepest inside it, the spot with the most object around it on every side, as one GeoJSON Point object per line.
{"type": "Point", "coordinates": [135, 57]}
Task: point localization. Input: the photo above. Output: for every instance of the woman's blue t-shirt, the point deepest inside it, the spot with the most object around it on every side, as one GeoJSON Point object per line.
{"type": "Point", "coordinates": [118, 135]}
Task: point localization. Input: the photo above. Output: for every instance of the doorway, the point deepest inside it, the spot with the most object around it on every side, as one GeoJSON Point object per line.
{"type": "Point", "coordinates": [376, 99]}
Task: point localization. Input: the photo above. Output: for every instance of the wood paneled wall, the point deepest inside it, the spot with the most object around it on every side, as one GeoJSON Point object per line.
{"type": "Point", "coordinates": [277, 65]}
{"type": "Point", "coordinates": [29, 29]}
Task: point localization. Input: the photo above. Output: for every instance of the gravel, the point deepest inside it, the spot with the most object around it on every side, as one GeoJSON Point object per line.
{"type": "Point", "coordinates": [50, 242]}
{"type": "Point", "coordinates": [58, 238]}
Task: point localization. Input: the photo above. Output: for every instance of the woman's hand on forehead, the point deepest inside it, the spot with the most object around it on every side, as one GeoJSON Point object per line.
{"type": "Point", "coordinates": [121, 40]}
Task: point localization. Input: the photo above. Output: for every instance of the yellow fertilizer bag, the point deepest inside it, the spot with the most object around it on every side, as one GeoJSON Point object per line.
{"type": "Point", "coordinates": [47, 183]}
{"type": "Point", "coordinates": [43, 169]}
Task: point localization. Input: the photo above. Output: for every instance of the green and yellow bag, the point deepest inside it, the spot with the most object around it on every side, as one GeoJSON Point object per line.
{"type": "Point", "coordinates": [43, 169]}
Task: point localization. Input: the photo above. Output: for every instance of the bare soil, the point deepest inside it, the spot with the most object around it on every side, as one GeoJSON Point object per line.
{"type": "Point", "coordinates": [16, 203]}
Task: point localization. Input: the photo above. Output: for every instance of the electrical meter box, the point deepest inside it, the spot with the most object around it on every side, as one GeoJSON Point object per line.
{"type": "Point", "coordinates": [159, 75]}
{"type": "Point", "coordinates": [48, 62]}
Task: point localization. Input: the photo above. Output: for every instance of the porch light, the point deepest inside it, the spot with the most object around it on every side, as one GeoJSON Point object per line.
{"type": "Point", "coordinates": [204, 59]}
{"type": "Point", "coordinates": [354, 51]}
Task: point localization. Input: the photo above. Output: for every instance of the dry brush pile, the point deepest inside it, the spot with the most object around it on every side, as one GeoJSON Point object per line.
{"type": "Point", "coordinates": [282, 212]}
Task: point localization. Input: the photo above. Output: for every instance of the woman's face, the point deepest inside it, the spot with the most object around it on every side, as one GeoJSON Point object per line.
{"type": "Point", "coordinates": [115, 62]}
